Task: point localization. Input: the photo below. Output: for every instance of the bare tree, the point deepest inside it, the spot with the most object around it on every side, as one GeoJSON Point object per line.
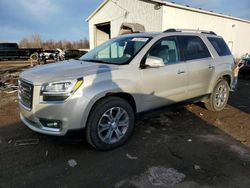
{"type": "Point", "coordinates": [24, 43]}
{"type": "Point", "coordinates": [35, 41]}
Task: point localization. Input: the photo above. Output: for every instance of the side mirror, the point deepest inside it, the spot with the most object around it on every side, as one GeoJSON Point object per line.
{"type": "Point", "coordinates": [154, 62]}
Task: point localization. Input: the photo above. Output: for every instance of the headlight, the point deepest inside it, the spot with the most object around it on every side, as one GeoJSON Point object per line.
{"type": "Point", "coordinates": [60, 90]}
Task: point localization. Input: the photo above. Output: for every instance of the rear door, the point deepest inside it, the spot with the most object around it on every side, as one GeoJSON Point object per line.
{"type": "Point", "coordinates": [200, 64]}
{"type": "Point", "coordinates": [164, 85]}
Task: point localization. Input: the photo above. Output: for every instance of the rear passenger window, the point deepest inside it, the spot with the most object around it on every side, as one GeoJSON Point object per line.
{"type": "Point", "coordinates": [193, 47]}
{"type": "Point", "coordinates": [220, 46]}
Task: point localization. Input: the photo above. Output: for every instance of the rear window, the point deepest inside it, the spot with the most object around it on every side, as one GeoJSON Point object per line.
{"type": "Point", "coordinates": [193, 47]}
{"type": "Point", "coordinates": [220, 46]}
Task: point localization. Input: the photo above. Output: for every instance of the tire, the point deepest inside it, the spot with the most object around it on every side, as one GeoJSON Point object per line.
{"type": "Point", "coordinates": [104, 132]}
{"type": "Point", "coordinates": [218, 99]}
{"type": "Point", "coordinates": [34, 56]}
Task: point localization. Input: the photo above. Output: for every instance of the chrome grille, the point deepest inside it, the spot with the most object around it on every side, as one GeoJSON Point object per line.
{"type": "Point", "coordinates": [25, 93]}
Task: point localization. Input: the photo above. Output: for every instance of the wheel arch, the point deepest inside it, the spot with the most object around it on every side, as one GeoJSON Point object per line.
{"type": "Point", "coordinates": [126, 96]}
{"type": "Point", "coordinates": [227, 75]}
{"type": "Point", "coordinates": [123, 95]}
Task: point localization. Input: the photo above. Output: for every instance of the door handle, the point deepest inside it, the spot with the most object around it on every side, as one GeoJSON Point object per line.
{"type": "Point", "coordinates": [180, 72]}
{"type": "Point", "coordinates": [211, 67]}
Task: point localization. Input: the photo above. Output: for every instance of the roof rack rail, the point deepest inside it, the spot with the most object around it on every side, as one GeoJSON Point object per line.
{"type": "Point", "coordinates": [190, 30]}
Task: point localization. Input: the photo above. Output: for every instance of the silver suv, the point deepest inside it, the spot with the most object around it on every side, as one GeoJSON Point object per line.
{"type": "Point", "coordinates": [104, 90]}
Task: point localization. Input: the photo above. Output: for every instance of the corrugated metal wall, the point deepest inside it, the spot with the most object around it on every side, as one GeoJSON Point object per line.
{"type": "Point", "coordinates": [235, 33]}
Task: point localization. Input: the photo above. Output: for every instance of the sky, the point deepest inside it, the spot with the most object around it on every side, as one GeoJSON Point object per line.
{"type": "Point", "coordinates": [65, 19]}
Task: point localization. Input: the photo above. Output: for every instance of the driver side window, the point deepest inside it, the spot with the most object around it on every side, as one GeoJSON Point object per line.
{"type": "Point", "coordinates": [167, 50]}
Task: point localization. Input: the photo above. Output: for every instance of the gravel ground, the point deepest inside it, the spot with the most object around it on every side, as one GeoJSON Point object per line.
{"type": "Point", "coordinates": [178, 147]}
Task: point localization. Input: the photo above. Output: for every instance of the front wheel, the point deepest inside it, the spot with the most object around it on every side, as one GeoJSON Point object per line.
{"type": "Point", "coordinates": [218, 99]}
{"type": "Point", "coordinates": [110, 123]}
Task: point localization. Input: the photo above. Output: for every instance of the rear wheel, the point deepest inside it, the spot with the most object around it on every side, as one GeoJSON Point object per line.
{"type": "Point", "coordinates": [110, 123]}
{"type": "Point", "coordinates": [218, 99]}
{"type": "Point", "coordinates": [34, 56]}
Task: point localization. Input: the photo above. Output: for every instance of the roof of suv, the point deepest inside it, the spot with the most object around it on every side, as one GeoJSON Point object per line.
{"type": "Point", "coordinates": [173, 31]}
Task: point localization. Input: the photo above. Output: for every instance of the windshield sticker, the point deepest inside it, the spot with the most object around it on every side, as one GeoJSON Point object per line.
{"type": "Point", "coordinates": [140, 39]}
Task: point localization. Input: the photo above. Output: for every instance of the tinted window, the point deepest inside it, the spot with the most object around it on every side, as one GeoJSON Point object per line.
{"type": "Point", "coordinates": [193, 47]}
{"type": "Point", "coordinates": [8, 45]}
{"type": "Point", "coordinates": [167, 49]}
{"type": "Point", "coordinates": [220, 46]}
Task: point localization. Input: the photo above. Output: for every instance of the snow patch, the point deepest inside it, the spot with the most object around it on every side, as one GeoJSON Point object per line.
{"type": "Point", "coordinates": [156, 176]}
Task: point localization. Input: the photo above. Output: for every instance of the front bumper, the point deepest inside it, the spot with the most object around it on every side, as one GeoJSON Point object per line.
{"type": "Point", "coordinates": [71, 113]}
{"type": "Point", "coordinates": [38, 127]}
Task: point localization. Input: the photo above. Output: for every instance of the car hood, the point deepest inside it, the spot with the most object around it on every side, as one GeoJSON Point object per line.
{"type": "Point", "coordinates": [64, 70]}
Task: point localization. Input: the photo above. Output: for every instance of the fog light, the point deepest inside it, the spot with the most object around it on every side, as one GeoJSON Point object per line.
{"type": "Point", "coordinates": [53, 124]}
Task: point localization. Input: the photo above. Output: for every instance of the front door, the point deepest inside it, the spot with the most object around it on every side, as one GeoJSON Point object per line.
{"type": "Point", "coordinates": [164, 85]}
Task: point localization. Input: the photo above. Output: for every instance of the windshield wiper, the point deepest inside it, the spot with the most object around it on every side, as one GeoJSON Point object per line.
{"type": "Point", "coordinates": [94, 60]}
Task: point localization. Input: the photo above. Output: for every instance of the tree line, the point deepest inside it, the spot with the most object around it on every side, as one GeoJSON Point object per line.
{"type": "Point", "coordinates": [35, 41]}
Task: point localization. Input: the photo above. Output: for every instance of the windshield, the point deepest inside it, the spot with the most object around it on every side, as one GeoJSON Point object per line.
{"type": "Point", "coordinates": [116, 51]}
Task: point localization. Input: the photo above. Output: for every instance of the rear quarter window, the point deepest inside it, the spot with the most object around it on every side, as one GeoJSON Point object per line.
{"type": "Point", "coordinates": [220, 46]}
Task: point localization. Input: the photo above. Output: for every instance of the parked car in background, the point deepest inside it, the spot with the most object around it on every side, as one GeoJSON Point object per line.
{"type": "Point", "coordinates": [50, 54]}
{"type": "Point", "coordinates": [11, 51]}
{"type": "Point", "coordinates": [245, 70]}
{"type": "Point", "coordinates": [56, 54]}
{"type": "Point", "coordinates": [73, 53]}
{"type": "Point", "coordinates": [105, 89]}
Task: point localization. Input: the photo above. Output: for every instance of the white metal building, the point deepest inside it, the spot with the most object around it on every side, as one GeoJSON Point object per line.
{"type": "Point", "coordinates": [112, 16]}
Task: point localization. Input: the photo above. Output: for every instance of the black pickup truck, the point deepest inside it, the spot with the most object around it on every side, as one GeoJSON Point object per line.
{"type": "Point", "coordinates": [11, 51]}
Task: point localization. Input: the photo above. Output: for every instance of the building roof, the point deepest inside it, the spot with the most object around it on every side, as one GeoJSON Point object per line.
{"type": "Point", "coordinates": [96, 10]}
{"type": "Point", "coordinates": [171, 4]}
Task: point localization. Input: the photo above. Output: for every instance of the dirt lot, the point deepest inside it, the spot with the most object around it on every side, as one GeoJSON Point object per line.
{"type": "Point", "coordinates": [179, 147]}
